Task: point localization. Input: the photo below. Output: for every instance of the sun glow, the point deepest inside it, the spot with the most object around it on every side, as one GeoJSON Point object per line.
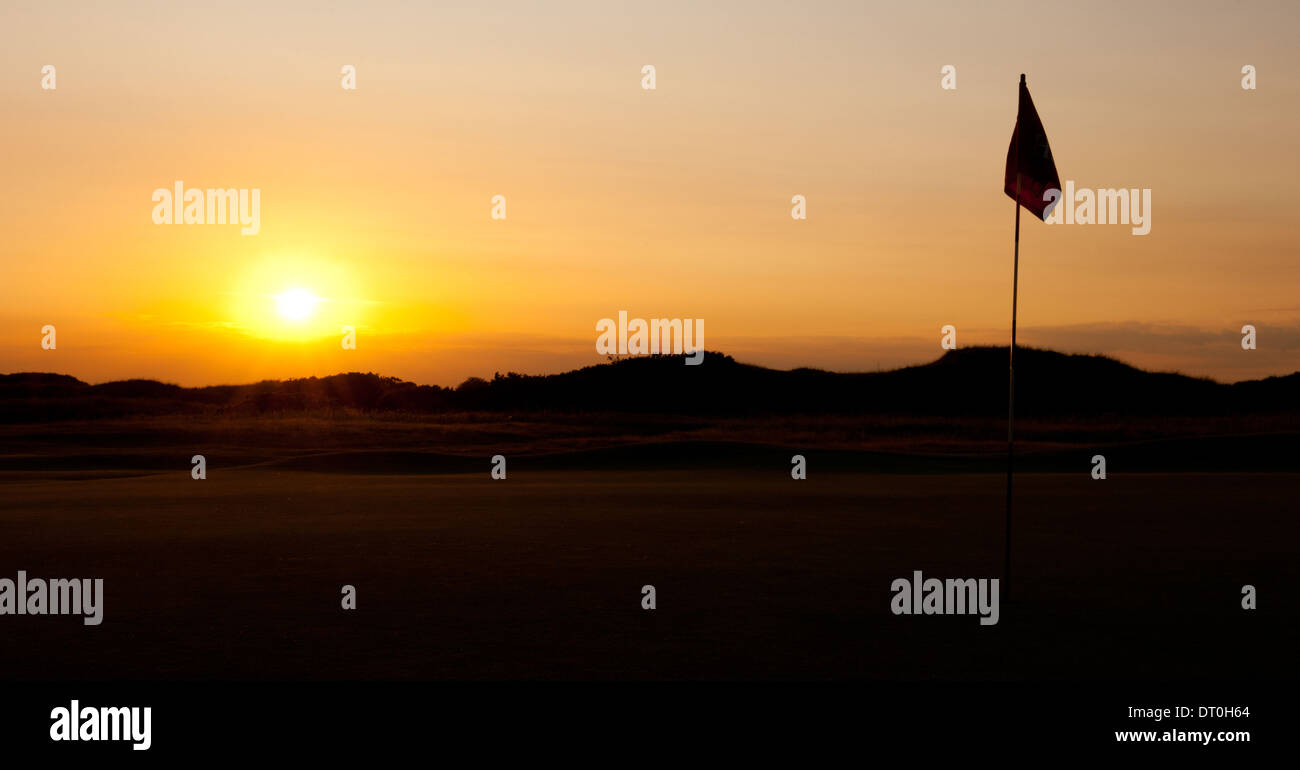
{"type": "Point", "coordinates": [300, 299]}
{"type": "Point", "coordinates": [296, 304]}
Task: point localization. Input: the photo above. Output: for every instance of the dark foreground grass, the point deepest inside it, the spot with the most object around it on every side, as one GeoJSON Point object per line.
{"type": "Point", "coordinates": [758, 576]}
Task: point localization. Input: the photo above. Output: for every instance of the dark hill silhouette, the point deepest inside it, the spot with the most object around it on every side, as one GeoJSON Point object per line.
{"type": "Point", "coordinates": [968, 382]}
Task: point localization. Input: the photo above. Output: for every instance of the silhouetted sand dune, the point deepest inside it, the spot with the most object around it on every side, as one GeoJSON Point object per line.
{"type": "Point", "coordinates": [965, 382]}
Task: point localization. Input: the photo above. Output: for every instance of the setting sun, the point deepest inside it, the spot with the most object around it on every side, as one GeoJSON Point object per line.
{"type": "Point", "coordinates": [296, 304]}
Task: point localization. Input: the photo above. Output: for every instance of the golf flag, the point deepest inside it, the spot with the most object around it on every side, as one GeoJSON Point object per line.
{"type": "Point", "coordinates": [1031, 171]}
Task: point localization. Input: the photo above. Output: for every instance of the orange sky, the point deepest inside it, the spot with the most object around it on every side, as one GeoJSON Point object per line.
{"type": "Point", "coordinates": [666, 203]}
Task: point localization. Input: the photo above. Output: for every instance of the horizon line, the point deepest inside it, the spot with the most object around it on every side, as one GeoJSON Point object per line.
{"type": "Point", "coordinates": [612, 360]}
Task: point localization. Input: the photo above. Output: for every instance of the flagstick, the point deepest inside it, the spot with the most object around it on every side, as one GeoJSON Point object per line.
{"type": "Point", "coordinates": [1011, 400]}
{"type": "Point", "coordinates": [1011, 372]}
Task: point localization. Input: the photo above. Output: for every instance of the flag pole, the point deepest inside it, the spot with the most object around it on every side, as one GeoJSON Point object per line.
{"type": "Point", "coordinates": [1011, 369]}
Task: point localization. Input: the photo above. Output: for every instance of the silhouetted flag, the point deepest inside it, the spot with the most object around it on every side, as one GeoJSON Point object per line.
{"type": "Point", "coordinates": [1030, 157]}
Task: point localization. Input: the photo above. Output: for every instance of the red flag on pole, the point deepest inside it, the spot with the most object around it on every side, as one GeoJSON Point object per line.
{"type": "Point", "coordinates": [1031, 172]}
{"type": "Point", "coordinates": [1030, 158]}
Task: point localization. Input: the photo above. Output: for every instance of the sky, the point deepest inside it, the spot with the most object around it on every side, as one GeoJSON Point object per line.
{"type": "Point", "coordinates": [666, 203]}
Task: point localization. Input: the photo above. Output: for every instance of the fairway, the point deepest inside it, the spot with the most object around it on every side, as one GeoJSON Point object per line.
{"type": "Point", "coordinates": [757, 576]}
